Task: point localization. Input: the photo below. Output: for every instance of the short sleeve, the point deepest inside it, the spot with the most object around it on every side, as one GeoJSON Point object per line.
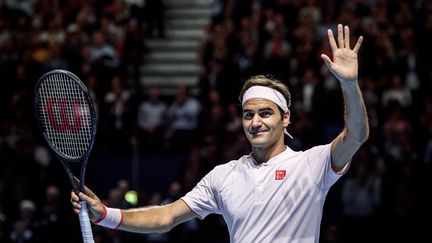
{"type": "Point", "coordinates": [203, 197]}
{"type": "Point", "coordinates": [319, 159]}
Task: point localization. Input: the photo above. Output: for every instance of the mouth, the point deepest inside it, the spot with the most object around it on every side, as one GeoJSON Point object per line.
{"type": "Point", "coordinates": [257, 133]}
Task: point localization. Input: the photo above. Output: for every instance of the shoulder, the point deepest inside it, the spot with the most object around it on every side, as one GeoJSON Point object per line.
{"type": "Point", "coordinates": [315, 153]}
{"type": "Point", "coordinates": [231, 165]}
{"type": "Point", "coordinates": [220, 176]}
{"type": "Point", "coordinates": [319, 149]}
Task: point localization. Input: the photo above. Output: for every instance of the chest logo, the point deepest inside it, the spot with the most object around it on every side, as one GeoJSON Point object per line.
{"type": "Point", "coordinates": [280, 174]}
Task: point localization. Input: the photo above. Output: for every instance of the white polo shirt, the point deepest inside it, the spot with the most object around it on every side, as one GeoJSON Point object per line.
{"type": "Point", "coordinates": [277, 201]}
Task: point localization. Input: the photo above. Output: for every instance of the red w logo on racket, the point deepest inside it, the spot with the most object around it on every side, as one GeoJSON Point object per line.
{"type": "Point", "coordinates": [62, 106]}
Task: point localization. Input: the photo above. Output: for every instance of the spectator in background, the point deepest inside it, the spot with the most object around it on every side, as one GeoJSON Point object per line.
{"type": "Point", "coordinates": [25, 229]}
{"type": "Point", "coordinates": [54, 215]}
{"type": "Point", "coordinates": [116, 101]}
{"type": "Point", "coordinates": [276, 55]}
{"type": "Point", "coordinates": [213, 122]}
{"type": "Point", "coordinates": [247, 56]}
{"type": "Point", "coordinates": [112, 32]}
{"type": "Point", "coordinates": [118, 115]}
{"type": "Point", "coordinates": [398, 92]}
{"type": "Point", "coordinates": [361, 199]}
{"type": "Point", "coordinates": [234, 124]}
{"type": "Point", "coordinates": [215, 79]}
{"type": "Point", "coordinates": [92, 86]}
{"type": "Point", "coordinates": [103, 53]}
{"type": "Point", "coordinates": [310, 90]}
{"type": "Point", "coordinates": [151, 120]}
{"type": "Point", "coordinates": [134, 49]}
{"type": "Point", "coordinates": [55, 32]}
{"type": "Point", "coordinates": [56, 60]}
{"type": "Point", "coordinates": [397, 134]}
{"type": "Point", "coordinates": [72, 51]}
{"type": "Point", "coordinates": [182, 120]}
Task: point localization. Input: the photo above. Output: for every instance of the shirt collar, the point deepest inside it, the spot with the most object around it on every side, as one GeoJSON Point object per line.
{"type": "Point", "coordinates": [273, 160]}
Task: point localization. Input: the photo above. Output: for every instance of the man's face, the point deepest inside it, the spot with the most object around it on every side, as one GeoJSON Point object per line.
{"type": "Point", "coordinates": [262, 123]}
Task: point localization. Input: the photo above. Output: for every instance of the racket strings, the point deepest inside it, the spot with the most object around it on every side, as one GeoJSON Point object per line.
{"type": "Point", "coordinates": [66, 115]}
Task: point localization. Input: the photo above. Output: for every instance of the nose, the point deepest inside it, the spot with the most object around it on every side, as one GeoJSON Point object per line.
{"type": "Point", "coordinates": [256, 122]}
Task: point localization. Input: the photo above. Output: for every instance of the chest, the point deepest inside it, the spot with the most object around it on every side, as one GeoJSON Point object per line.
{"type": "Point", "coordinates": [266, 190]}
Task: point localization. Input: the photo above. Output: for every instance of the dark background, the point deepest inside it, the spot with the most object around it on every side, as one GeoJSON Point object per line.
{"type": "Point", "coordinates": [386, 195]}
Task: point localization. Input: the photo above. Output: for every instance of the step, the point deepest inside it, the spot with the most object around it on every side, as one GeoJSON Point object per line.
{"type": "Point", "coordinates": [184, 34]}
{"type": "Point", "coordinates": [172, 45]}
{"type": "Point", "coordinates": [186, 23]}
{"type": "Point", "coordinates": [171, 57]}
{"type": "Point", "coordinates": [188, 13]}
{"type": "Point", "coordinates": [174, 81]}
{"type": "Point", "coordinates": [187, 3]}
{"type": "Point", "coordinates": [170, 69]}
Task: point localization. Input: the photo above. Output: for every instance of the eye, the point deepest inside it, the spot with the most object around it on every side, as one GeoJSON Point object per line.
{"type": "Point", "coordinates": [265, 114]}
{"type": "Point", "coordinates": [248, 115]}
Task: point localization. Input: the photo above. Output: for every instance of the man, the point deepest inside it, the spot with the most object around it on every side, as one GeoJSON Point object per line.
{"type": "Point", "coordinates": [273, 194]}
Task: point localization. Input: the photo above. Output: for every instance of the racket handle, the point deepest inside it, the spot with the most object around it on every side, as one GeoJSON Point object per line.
{"type": "Point", "coordinates": [86, 229]}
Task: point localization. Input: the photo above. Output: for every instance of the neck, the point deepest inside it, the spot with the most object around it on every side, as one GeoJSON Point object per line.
{"type": "Point", "coordinates": [264, 154]}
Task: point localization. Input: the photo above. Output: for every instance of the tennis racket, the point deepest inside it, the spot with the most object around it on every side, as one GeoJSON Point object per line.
{"type": "Point", "coordinates": [67, 119]}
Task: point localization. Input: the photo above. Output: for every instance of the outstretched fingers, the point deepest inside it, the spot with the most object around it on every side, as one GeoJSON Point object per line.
{"type": "Point", "coordinates": [340, 36]}
{"type": "Point", "coordinates": [332, 40]}
{"type": "Point", "coordinates": [358, 44]}
{"type": "Point", "coordinates": [327, 61]}
{"type": "Point", "coordinates": [343, 39]}
{"type": "Point", "coordinates": [347, 37]}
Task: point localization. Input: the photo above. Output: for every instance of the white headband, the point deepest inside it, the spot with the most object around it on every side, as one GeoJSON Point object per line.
{"type": "Point", "coordinates": [266, 93]}
{"type": "Point", "coordinates": [269, 94]}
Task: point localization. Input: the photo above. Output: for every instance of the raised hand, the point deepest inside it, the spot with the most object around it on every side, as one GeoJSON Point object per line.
{"type": "Point", "coordinates": [345, 63]}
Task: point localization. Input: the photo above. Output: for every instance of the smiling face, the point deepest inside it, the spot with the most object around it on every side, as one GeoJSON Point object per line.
{"type": "Point", "coordinates": [263, 124]}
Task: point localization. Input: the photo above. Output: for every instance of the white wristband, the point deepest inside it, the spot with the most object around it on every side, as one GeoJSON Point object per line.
{"type": "Point", "coordinates": [111, 218]}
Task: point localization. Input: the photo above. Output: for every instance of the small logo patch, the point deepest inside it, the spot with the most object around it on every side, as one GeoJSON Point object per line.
{"type": "Point", "coordinates": [280, 174]}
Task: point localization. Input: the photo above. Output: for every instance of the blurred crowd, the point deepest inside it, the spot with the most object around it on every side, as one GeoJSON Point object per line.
{"type": "Point", "coordinates": [384, 196]}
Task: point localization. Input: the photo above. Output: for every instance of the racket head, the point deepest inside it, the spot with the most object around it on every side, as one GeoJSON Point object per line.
{"type": "Point", "coordinates": [65, 114]}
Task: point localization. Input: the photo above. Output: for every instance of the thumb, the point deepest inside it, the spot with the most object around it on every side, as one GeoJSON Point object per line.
{"type": "Point", "coordinates": [86, 198]}
{"type": "Point", "coordinates": [327, 61]}
{"type": "Point", "coordinates": [90, 193]}
{"type": "Point", "coordinates": [87, 191]}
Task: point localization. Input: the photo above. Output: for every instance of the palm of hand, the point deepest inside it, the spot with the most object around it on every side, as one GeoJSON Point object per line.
{"type": "Point", "coordinates": [345, 65]}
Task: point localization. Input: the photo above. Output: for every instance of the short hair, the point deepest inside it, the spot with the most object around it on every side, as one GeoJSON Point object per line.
{"type": "Point", "coordinates": [266, 81]}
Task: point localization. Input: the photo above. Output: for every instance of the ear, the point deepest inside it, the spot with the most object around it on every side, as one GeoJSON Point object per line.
{"type": "Point", "coordinates": [286, 118]}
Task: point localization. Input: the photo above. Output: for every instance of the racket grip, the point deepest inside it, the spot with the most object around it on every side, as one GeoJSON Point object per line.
{"type": "Point", "coordinates": [85, 224]}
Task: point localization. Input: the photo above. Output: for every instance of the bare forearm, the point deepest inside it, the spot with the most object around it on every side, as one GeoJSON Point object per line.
{"type": "Point", "coordinates": [146, 220]}
{"type": "Point", "coordinates": [156, 219]}
{"type": "Point", "coordinates": [356, 122]}
{"type": "Point", "coordinates": [356, 129]}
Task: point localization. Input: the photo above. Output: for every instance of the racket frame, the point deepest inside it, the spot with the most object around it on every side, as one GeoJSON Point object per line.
{"type": "Point", "coordinates": [64, 159]}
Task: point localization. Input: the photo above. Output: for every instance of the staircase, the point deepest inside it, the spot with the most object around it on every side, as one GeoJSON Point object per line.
{"type": "Point", "coordinates": [173, 60]}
